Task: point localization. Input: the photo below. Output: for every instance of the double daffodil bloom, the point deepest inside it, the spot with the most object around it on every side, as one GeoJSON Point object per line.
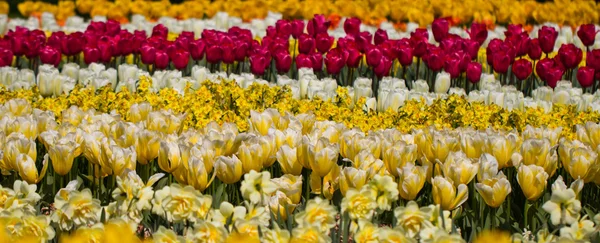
{"type": "Point", "coordinates": [563, 205]}
{"type": "Point", "coordinates": [446, 195]}
{"type": "Point", "coordinates": [494, 190]}
{"type": "Point", "coordinates": [533, 180]}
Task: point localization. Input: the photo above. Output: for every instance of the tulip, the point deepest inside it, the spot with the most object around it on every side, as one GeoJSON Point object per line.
{"type": "Point", "coordinates": [62, 155]}
{"type": "Point", "coordinates": [160, 31]}
{"type": "Point", "coordinates": [91, 55]}
{"type": "Point", "coordinates": [472, 48]}
{"type": "Point", "coordinates": [522, 69]}
{"type": "Point", "coordinates": [452, 66]}
{"type": "Point", "coordinates": [419, 45]}
{"type": "Point", "coordinates": [570, 55]}
{"type": "Point", "coordinates": [494, 190]}
{"type": "Point", "coordinates": [352, 26]}
{"type": "Point", "coordinates": [56, 40]}
{"type": "Point", "coordinates": [533, 180]}
{"type": "Point", "coordinates": [120, 160]}
{"type": "Point", "coordinates": [287, 158]}
{"type": "Point", "coordinates": [446, 195]}
{"type": "Point", "coordinates": [587, 34]}
{"type": "Point", "coordinates": [297, 28]}
{"type": "Point", "coordinates": [258, 64]}
{"type": "Point", "coordinates": [442, 83]}
{"type": "Point", "coordinates": [374, 56]}
{"type": "Point", "coordinates": [197, 49]}
{"type": "Point", "coordinates": [553, 76]}
{"type": "Point", "coordinates": [547, 37]}
{"type": "Point", "coordinates": [585, 76]}
{"type": "Point", "coordinates": [28, 171]}
{"type": "Point", "coordinates": [171, 155]}
{"type": "Point", "coordinates": [228, 169]}
{"type": "Point", "coordinates": [306, 44]}
{"type": "Point", "coordinates": [181, 59]}
{"type": "Point", "coordinates": [397, 156]}
{"type": "Point", "coordinates": [440, 28]}
{"type": "Point", "coordinates": [51, 83]}
{"type": "Point", "coordinates": [501, 61]}
{"type": "Point", "coordinates": [354, 57]}
{"type": "Point", "coordinates": [196, 174]}
{"type": "Point", "coordinates": [411, 180]}
{"type": "Point", "coordinates": [317, 61]}
{"type": "Point", "coordinates": [581, 163]}
{"type": "Point", "coordinates": [15, 146]}
{"type": "Point", "coordinates": [162, 59]}
{"type": "Point", "coordinates": [380, 36]}
{"type": "Point", "coordinates": [404, 54]}
{"type": "Point", "coordinates": [459, 168]}
{"type": "Point", "coordinates": [478, 32]}
{"type": "Point", "coordinates": [214, 54]}
{"type": "Point", "coordinates": [106, 50]}
{"type": "Point", "coordinates": [352, 178]}
{"type": "Point", "coordinates": [147, 146]}
{"type": "Point", "coordinates": [148, 54]}
{"type": "Point", "coordinates": [283, 28]}
{"type": "Point", "coordinates": [251, 153]}
{"type": "Point", "coordinates": [434, 58]}
{"type": "Point", "coordinates": [241, 51]}
{"type": "Point", "coordinates": [303, 61]}
{"type": "Point", "coordinates": [383, 69]}
{"type": "Point", "coordinates": [49, 55]}
{"type": "Point", "coordinates": [283, 61]}
{"type": "Point", "coordinates": [6, 57]}
{"type": "Point", "coordinates": [534, 51]}
{"type": "Point", "coordinates": [540, 152]}
{"type": "Point", "coordinates": [502, 147]}
{"type": "Point", "coordinates": [322, 157]}
{"type": "Point", "coordinates": [593, 59]}
{"type": "Point", "coordinates": [317, 25]}
{"type": "Point", "coordinates": [474, 72]}
{"type": "Point", "coordinates": [324, 42]}
{"type": "Point", "coordinates": [260, 122]}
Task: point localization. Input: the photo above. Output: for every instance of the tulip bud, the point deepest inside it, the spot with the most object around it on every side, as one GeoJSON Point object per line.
{"type": "Point", "coordinates": [587, 34]}
{"type": "Point", "coordinates": [585, 76]}
{"type": "Point", "coordinates": [474, 72]}
{"type": "Point", "coordinates": [446, 195]}
{"type": "Point", "coordinates": [442, 83]}
{"type": "Point", "coordinates": [440, 28]}
{"type": "Point", "coordinates": [547, 37]}
{"type": "Point", "coordinates": [50, 55]}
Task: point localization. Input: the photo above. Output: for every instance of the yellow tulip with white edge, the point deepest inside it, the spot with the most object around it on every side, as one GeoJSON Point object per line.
{"type": "Point", "coordinates": [446, 195]}
{"type": "Point", "coordinates": [250, 153]}
{"type": "Point", "coordinates": [351, 177]}
{"type": "Point", "coordinates": [488, 167]}
{"type": "Point", "coordinates": [533, 180]}
{"type": "Point", "coordinates": [147, 145]}
{"type": "Point", "coordinates": [28, 171]}
{"type": "Point", "coordinates": [327, 185]}
{"type": "Point", "coordinates": [290, 185]}
{"type": "Point", "coordinates": [260, 122]}
{"type": "Point", "coordinates": [588, 133]}
{"type": "Point", "coordinates": [539, 152]}
{"type": "Point", "coordinates": [171, 155]}
{"type": "Point", "coordinates": [325, 156]}
{"type": "Point", "coordinates": [459, 168]}
{"type": "Point", "coordinates": [288, 160]}
{"type": "Point", "coordinates": [399, 155]}
{"type": "Point", "coordinates": [17, 144]}
{"type": "Point", "coordinates": [472, 143]}
{"type": "Point", "coordinates": [583, 164]}
{"type": "Point", "coordinates": [411, 179]}
{"type": "Point", "coordinates": [494, 190]}
{"type": "Point", "coordinates": [62, 155]}
{"type": "Point", "coordinates": [228, 169]}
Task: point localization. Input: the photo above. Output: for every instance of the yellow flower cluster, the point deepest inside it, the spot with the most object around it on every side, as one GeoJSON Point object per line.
{"type": "Point", "coordinates": [371, 11]}
{"type": "Point", "coordinates": [227, 102]}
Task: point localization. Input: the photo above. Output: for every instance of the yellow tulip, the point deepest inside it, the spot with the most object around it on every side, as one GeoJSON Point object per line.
{"type": "Point", "coordinates": [165, 122]}
{"type": "Point", "coordinates": [589, 133]}
{"type": "Point", "coordinates": [488, 167]}
{"type": "Point", "coordinates": [307, 120]}
{"type": "Point", "coordinates": [459, 168]}
{"type": "Point", "coordinates": [281, 205]}
{"type": "Point", "coordinates": [326, 185]}
{"type": "Point", "coordinates": [228, 169]}
{"type": "Point", "coordinates": [250, 153]}
{"type": "Point", "coordinates": [434, 145]}
{"type": "Point", "coordinates": [552, 134]}
{"type": "Point", "coordinates": [62, 155]}
{"type": "Point", "coordinates": [121, 159]}
{"type": "Point", "coordinates": [494, 190]}
{"type": "Point", "coordinates": [260, 122]}
{"type": "Point", "coordinates": [147, 145]}
{"type": "Point", "coordinates": [269, 150]}
{"type": "Point", "coordinates": [583, 164]}
{"type": "Point", "coordinates": [351, 177]}
{"type": "Point", "coordinates": [139, 112]}
{"type": "Point", "coordinates": [399, 155]}
{"type": "Point", "coordinates": [291, 186]}
{"type": "Point", "coordinates": [564, 150]}
{"type": "Point", "coordinates": [540, 152]}
{"type": "Point", "coordinates": [325, 156]}
{"type": "Point", "coordinates": [533, 180]}
{"type": "Point", "coordinates": [288, 137]}
{"type": "Point", "coordinates": [302, 152]}
{"type": "Point", "coordinates": [92, 147]}
{"type": "Point", "coordinates": [28, 170]}
{"type": "Point", "coordinates": [472, 143]}
{"type": "Point", "coordinates": [194, 174]}
{"type": "Point", "coordinates": [24, 125]}
{"type": "Point", "coordinates": [17, 144]}
{"type": "Point", "coordinates": [18, 107]}
{"type": "Point", "coordinates": [411, 180]}
{"type": "Point", "coordinates": [124, 133]}
{"type": "Point", "coordinates": [171, 155]}
{"type": "Point", "coordinates": [502, 147]}
{"type": "Point", "coordinates": [446, 195]}
{"type": "Point", "coordinates": [288, 160]}
{"type": "Point", "coordinates": [208, 156]}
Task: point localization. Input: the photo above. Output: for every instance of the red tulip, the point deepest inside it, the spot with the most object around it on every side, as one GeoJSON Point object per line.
{"type": "Point", "coordinates": [353, 57]}
{"type": "Point", "coordinates": [435, 58]}
{"type": "Point", "coordinates": [352, 26]}
{"type": "Point", "coordinates": [6, 57]}
{"type": "Point", "coordinates": [587, 34]}
{"type": "Point", "coordinates": [474, 72]}
{"type": "Point", "coordinates": [553, 76]}
{"type": "Point", "coordinates": [383, 69]}
{"type": "Point", "coordinates": [56, 39]}
{"type": "Point", "coordinates": [271, 31]}
{"type": "Point", "coordinates": [513, 29]}
{"type": "Point", "coordinates": [124, 44]}
{"type": "Point", "coordinates": [440, 28]}
{"type": "Point", "coordinates": [283, 61]}
{"type": "Point", "coordinates": [306, 44]}
{"type": "Point", "coordinates": [162, 59]}
{"type": "Point", "coordinates": [334, 61]}
{"type": "Point", "coordinates": [98, 28]}
{"type": "Point", "coordinates": [297, 28]}
{"type": "Point", "coordinates": [50, 55]}
{"type": "Point", "coordinates": [106, 48]}
{"type": "Point", "coordinates": [138, 38]}
{"type": "Point", "coordinates": [160, 30]}
{"type": "Point", "coordinates": [317, 61]}
{"type": "Point", "coordinates": [324, 42]}
{"type": "Point", "coordinates": [570, 55]}
{"type": "Point", "coordinates": [585, 76]}
{"type": "Point", "coordinates": [478, 32]}
{"type": "Point", "coordinates": [404, 54]}
{"type": "Point", "coordinates": [501, 61]}
{"type": "Point", "coordinates": [303, 61]}
{"type": "Point", "coordinates": [493, 47]}
{"type": "Point", "coordinates": [452, 66]}
{"type": "Point", "coordinates": [258, 64]}
{"type": "Point", "coordinates": [241, 51]}
{"type": "Point", "coordinates": [148, 54]}
{"type": "Point", "coordinates": [181, 59]}
{"type": "Point", "coordinates": [374, 57]}
{"type": "Point", "coordinates": [284, 28]}
{"type": "Point", "coordinates": [543, 66]}
{"type": "Point", "coordinates": [91, 54]}
{"type": "Point", "coordinates": [112, 28]}
{"type": "Point", "coordinates": [197, 49]}
{"type": "Point", "coordinates": [472, 48]}
{"type": "Point", "coordinates": [419, 45]}
{"type": "Point", "coordinates": [593, 59]}
{"type": "Point", "coordinates": [522, 46]}
{"type": "Point", "coordinates": [522, 69]}
{"type": "Point", "coordinates": [17, 42]}
{"type": "Point", "coordinates": [534, 51]}
{"type": "Point", "coordinates": [74, 44]}
{"type": "Point", "coordinates": [380, 36]}
{"type": "Point", "coordinates": [228, 53]}
{"type": "Point", "coordinates": [547, 37]}
{"type": "Point", "coordinates": [32, 46]}
{"type": "Point", "coordinates": [214, 54]}
{"type": "Point", "coordinates": [317, 25]}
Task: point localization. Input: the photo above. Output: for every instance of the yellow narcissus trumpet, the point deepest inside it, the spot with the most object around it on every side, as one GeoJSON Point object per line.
{"type": "Point", "coordinates": [62, 155]}
{"type": "Point", "coordinates": [446, 195]}
{"type": "Point", "coordinates": [171, 155]}
{"type": "Point", "coordinates": [460, 169]}
{"type": "Point", "coordinates": [288, 160]}
{"type": "Point", "coordinates": [502, 147]}
{"type": "Point", "coordinates": [291, 186]}
{"type": "Point", "coordinates": [260, 122]}
{"type": "Point", "coordinates": [411, 180]}
{"type": "Point", "coordinates": [539, 152]}
{"type": "Point", "coordinates": [399, 155]}
{"type": "Point", "coordinates": [351, 177]}
{"type": "Point", "coordinates": [147, 145]}
{"type": "Point", "coordinates": [28, 170]}
{"type": "Point", "coordinates": [324, 156]}
{"type": "Point", "coordinates": [228, 169]}
{"type": "Point", "coordinates": [494, 190]}
{"type": "Point", "coordinates": [533, 180]}
{"type": "Point", "coordinates": [472, 143]}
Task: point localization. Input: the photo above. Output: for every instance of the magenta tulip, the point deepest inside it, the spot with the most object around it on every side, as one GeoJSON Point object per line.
{"type": "Point", "coordinates": [478, 32]}
{"type": "Point", "coordinates": [587, 34]}
{"type": "Point", "coordinates": [593, 59]}
{"type": "Point", "coordinates": [162, 59]}
{"type": "Point", "coordinates": [283, 61]}
{"type": "Point", "coordinates": [374, 57]}
{"type": "Point", "coordinates": [258, 64]}
{"type": "Point", "coordinates": [474, 72]}
{"type": "Point", "coordinates": [324, 42]}
{"type": "Point", "coordinates": [303, 61]}
{"type": "Point", "coordinates": [570, 55]}
{"type": "Point", "coordinates": [306, 44]}
{"type": "Point", "coordinates": [547, 37]}
{"type": "Point", "coordinates": [522, 69]}
{"type": "Point", "coordinates": [297, 28]}
{"type": "Point", "coordinates": [585, 76]}
{"type": "Point", "coordinates": [181, 59]}
{"type": "Point", "coordinates": [534, 51]}
{"type": "Point", "coordinates": [6, 57]}
{"type": "Point", "coordinates": [352, 26]}
{"type": "Point", "coordinates": [440, 28]}
{"type": "Point", "coordinates": [380, 36]}
{"type": "Point", "coordinates": [91, 54]}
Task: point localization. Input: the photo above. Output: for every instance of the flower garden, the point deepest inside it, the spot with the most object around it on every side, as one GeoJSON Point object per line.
{"type": "Point", "coordinates": [299, 121]}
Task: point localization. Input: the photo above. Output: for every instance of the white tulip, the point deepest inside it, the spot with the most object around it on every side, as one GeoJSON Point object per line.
{"type": "Point", "coordinates": [457, 91]}
{"type": "Point", "coordinates": [305, 71]}
{"type": "Point", "coordinates": [3, 23]}
{"type": "Point", "coordinates": [314, 87]}
{"type": "Point", "coordinates": [99, 82]}
{"type": "Point", "coordinates": [442, 82]}
{"type": "Point", "coordinates": [362, 88]}
{"type": "Point", "coordinates": [51, 83]}
{"type": "Point", "coordinates": [96, 67]}
{"type": "Point", "coordinates": [304, 81]}
{"type": "Point", "coordinates": [396, 99]}
{"type": "Point", "coordinates": [420, 86]}
{"type": "Point", "coordinates": [477, 96]}
{"type": "Point", "coordinates": [8, 75]}
{"type": "Point", "coordinates": [370, 105]}
{"type": "Point", "coordinates": [71, 70]}
{"type": "Point", "coordinates": [111, 75]}
{"type": "Point", "coordinates": [283, 80]}
{"type": "Point", "coordinates": [27, 76]}
{"type": "Point", "coordinates": [128, 71]}
{"type": "Point", "coordinates": [543, 93]}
